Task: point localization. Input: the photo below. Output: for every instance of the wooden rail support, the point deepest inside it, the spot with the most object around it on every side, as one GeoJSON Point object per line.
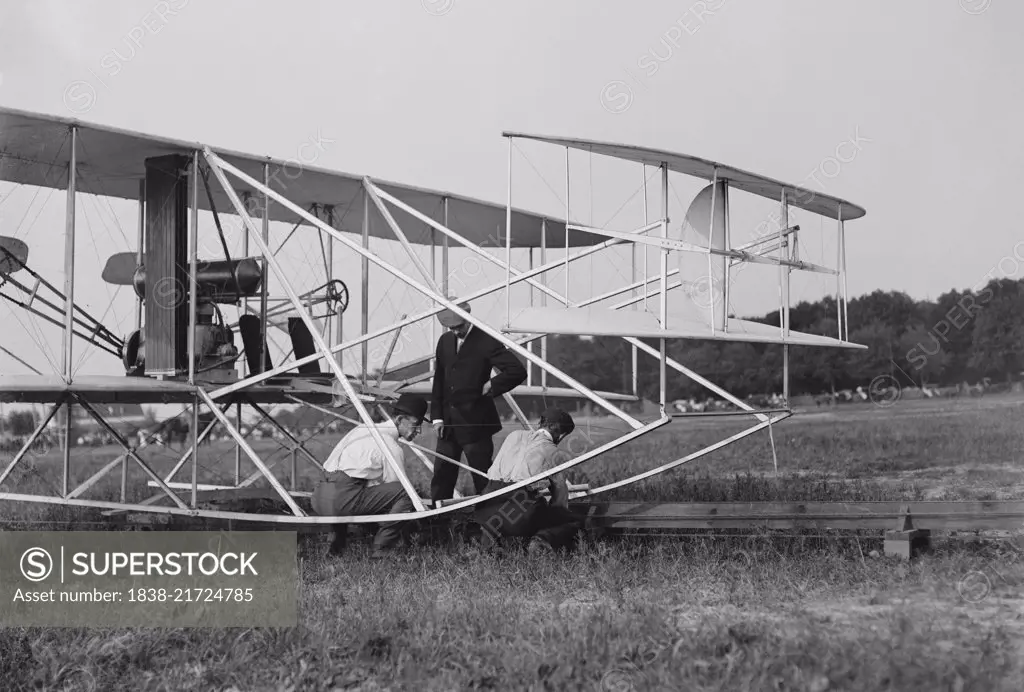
{"type": "Point", "coordinates": [905, 541]}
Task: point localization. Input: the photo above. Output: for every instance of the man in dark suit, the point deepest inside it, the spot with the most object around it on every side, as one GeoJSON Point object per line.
{"type": "Point", "coordinates": [462, 405]}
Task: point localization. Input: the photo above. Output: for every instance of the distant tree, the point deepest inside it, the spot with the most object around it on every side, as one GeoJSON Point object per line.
{"type": "Point", "coordinates": [21, 423]}
{"type": "Point", "coordinates": [862, 366]}
{"type": "Point", "coordinates": [893, 309]}
{"type": "Point", "coordinates": [733, 366]}
{"type": "Point", "coordinates": [703, 357]}
{"type": "Point", "coordinates": [922, 357]}
{"type": "Point", "coordinates": [804, 316]}
{"type": "Point", "coordinates": [998, 337]}
{"type": "Point", "coordinates": [824, 369]}
{"type": "Point", "coordinates": [949, 329]}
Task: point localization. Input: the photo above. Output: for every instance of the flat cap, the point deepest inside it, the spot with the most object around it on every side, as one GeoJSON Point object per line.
{"type": "Point", "coordinates": [563, 419]}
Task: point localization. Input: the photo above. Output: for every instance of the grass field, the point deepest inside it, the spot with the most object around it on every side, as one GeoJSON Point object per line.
{"type": "Point", "coordinates": [970, 449]}
{"type": "Point", "coordinates": [698, 614]}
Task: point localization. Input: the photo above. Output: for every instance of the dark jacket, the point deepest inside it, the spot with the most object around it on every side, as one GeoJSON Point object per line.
{"type": "Point", "coordinates": [459, 379]}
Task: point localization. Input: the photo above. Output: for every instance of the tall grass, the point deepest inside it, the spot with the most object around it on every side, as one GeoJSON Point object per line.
{"type": "Point", "coordinates": [699, 615]}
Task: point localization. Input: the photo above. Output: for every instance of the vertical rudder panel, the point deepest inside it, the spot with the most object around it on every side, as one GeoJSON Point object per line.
{"type": "Point", "coordinates": [707, 274]}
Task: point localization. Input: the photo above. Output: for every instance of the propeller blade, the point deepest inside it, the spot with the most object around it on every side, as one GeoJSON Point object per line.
{"type": "Point", "coordinates": [120, 269]}
{"type": "Point", "coordinates": [13, 254]}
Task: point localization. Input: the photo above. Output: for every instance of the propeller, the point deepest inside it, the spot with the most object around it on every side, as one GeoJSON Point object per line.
{"type": "Point", "coordinates": [13, 254]}
{"type": "Point", "coordinates": [120, 269]}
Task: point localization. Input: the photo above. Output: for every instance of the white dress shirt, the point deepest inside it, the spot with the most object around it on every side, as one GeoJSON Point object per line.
{"type": "Point", "coordinates": [358, 456]}
{"type": "Point", "coordinates": [524, 454]}
{"type": "Point", "coordinates": [459, 341]}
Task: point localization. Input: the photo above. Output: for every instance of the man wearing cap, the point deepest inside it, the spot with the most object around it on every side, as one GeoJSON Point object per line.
{"type": "Point", "coordinates": [525, 512]}
{"type": "Point", "coordinates": [361, 481]}
{"type": "Point", "coordinates": [462, 404]}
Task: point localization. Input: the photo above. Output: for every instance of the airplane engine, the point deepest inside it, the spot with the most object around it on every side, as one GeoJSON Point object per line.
{"type": "Point", "coordinates": [215, 348]}
{"type": "Point", "coordinates": [160, 348]}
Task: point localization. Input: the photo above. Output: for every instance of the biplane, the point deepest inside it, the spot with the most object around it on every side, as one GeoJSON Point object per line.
{"type": "Point", "coordinates": [183, 350]}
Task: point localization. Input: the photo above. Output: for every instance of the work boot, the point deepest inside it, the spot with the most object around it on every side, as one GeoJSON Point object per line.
{"type": "Point", "coordinates": [340, 541]}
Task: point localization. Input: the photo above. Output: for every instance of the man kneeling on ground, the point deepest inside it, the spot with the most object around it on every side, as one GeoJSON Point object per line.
{"type": "Point", "coordinates": [525, 513]}
{"type": "Point", "coordinates": [360, 480]}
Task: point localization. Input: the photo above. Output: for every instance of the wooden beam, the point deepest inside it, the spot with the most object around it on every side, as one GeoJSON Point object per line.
{"type": "Point", "coordinates": [881, 516]}
{"type": "Point", "coordinates": [976, 515]}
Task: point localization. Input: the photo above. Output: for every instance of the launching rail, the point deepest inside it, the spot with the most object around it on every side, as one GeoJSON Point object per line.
{"type": "Point", "coordinates": [610, 517]}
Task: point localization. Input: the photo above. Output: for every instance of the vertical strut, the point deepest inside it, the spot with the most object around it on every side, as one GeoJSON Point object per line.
{"type": "Point", "coordinates": [842, 270]}
{"type": "Point", "coordinates": [266, 273]}
{"type": "Point", "coordinates": [433, 275]}
{"type": "Point", "coordinates": [543, 295]}
{"type": "Point", "coordinates": [69, 258]}
{"type": "Point", "coordinates": [632, 294]}
{"type": "Point", "coordinates": [663, 375]}
{"type": "Point", "coordinates": [330, 274]}
{"type": "Point", "coordinates": [529, 365]}
{"type": "Point", "coordinates": [69, 301]}
{"type": "Point", "coordinates": [646, 222]}
{"type": "Point", "coordinates": [568, 220]}
{"type": "Point", "coordinates": [365, 325]}
{"type": "Point", "coordinates": [508, 241]}
{"type": "Point", "coordinates": [711, 244]}
{"type": "Point", "coordinates": [444, 250]}
{"type": "Point", "coordinates": [246, 198]}
{"type": "Point", "coordinates": [728, 263]}
{"type": "Point", "coordinates": [195, 450]}
{"type": "Point", "coordinates": [784, 314]}
{"type": "Point", "coordinates": [192, 283]}
{"type": "Point", "coordinates": [139, 245]}
{"type": "Point", "coordinates": [238, 447]}
{"type": "Point", "coordinates": [67, 446]}
{"type": "Point", "coordinates": [340, 314]}
{"type": "Point", "coordinates": [839, 274]}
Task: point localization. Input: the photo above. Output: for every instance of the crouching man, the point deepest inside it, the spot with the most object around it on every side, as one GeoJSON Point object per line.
{"type": "Point", "coordinates": [525, 512]}
{"type": "Point", "coordinates": [360, 480]}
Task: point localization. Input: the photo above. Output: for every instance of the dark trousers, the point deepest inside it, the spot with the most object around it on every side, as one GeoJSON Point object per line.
{"type": "Point", "coordinates": [343, 496]}
{"type": "Point", "coordinates": [479, 455]}
{"type": "Point", "coordinates": [525, 513]}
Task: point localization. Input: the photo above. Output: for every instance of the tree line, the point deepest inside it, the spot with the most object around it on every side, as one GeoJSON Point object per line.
{"type": "Point", "coordinates": [963, 336]}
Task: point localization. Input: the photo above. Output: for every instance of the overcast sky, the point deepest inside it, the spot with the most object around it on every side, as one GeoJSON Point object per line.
{"type": "Point", "coordinates": [910, 109]}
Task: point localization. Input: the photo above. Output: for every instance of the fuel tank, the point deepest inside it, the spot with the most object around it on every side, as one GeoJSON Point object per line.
{"type": "Point", "coordinates": [216, 280]}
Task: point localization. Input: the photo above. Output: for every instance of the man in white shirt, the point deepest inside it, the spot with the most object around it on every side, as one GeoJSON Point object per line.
{"type": "Point", "coordinates": [525, 513]}
{"type": "Point", "coordinates": [360, 480]}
